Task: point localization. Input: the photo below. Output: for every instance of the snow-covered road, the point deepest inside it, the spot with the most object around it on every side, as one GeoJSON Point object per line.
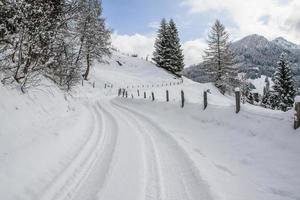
{"type": "Point", "coordinates": [169, 172]}
{"type": "Point", "coordinates": [128, 156]}
{"type": "Point", "coordinates": [90, 145]}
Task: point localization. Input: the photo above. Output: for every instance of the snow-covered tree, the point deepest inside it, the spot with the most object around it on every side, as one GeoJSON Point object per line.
{"type": "Point", "coordinates": [175, 51]}
{"type": "Point", "coordinates": [168, 53]}
{"type": "Point", "coordinates": [284, 89]}
{"type": "Point", "coordinates": [245, 89]}
{"type": "Point", "coordinates": [29, 44]}
{"type": "Point", "coordinates": [265, 102]}
{"type": "Point", "coordinates": [93, 34]}
{"type": "Point", "coordinates": [62, 69]}
{"type": "Point", "coordinates": [220, 59]}
{"type": "Point", "coordinates": [51, 39]}
{"type": "Point", "coordinates": [160, 52]}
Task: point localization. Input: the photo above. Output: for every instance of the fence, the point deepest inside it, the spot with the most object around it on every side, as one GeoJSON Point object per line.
{"type": "Point", "coordinates": [205, 100]}
{"type": "Point", "coordinates": [182, 98]}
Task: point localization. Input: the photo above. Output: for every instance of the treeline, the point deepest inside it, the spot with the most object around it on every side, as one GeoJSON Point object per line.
{"type": "Point", "coordinates": [57, 39]}
{"type": "Point", "coordinates": [221, 67]}
{"type": "Point", "coordinates": [221, 63]}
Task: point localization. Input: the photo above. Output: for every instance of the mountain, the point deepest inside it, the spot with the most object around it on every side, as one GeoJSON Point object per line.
{"type": "Point", "coordinates": [280, 41]}
{"type": "Point", "coordinates": [256, 56]}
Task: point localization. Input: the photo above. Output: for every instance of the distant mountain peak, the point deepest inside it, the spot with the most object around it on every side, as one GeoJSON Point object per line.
{"type": "Point", "coordinates": [256, 56]}
{"type": "Point", "coordinates": [252, 41]}
{"type": "Point", "coordinates": [255, 37]}
{"type": "Point", "coordinates": [284, 43]}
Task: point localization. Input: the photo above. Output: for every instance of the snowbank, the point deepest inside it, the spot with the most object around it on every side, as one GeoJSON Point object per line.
{"type": "Point", "coordinates": [250, 155]}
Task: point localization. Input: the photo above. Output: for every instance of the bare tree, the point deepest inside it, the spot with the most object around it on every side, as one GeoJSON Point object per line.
{"type": "Point", "coordinates": [219, 59]}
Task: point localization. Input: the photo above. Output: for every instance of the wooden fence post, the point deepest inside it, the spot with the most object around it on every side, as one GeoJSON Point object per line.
{"type": "Point", "coordinates": [167, 95]}
{"type": "Point", "coordinates": [138, 93]}
{"type": "Point", "coordinates": [205, 99]}
{"type": "Point", "coordinates": [297, 113]}
{"type": "Point", "coordinates": [153, 96]}
{"type": "Point", "coordinates": [145, 96]}
{"type": "Point", "coordinates": [182, 99]}
{"type": "Point", "coordinates": [237, 100]}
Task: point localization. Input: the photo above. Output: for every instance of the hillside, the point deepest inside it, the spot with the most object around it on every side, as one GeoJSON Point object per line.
{"type": "Point", "coordinates": [256, 56]}
{"type": "Point", "coordinates": [91, 144]}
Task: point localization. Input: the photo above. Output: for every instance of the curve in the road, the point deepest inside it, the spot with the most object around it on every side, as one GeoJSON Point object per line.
{"type": "Point", "coordinates": [83, 177]}
{"type": "Point", "coordinates": [178, 177]}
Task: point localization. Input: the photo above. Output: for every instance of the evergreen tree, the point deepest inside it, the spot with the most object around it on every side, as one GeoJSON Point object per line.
{"type": "Point", "coordinates": [168, 53]}
{"type": "Point", "coordinates": [250, 98]}
{"type": "Point", "coordinates": [175, 51]}
{"type": "Point", "coordinates": [160, 54]}
{"type": "Point", "coordinates": [284, 89]}
{"type": "Point", "coordinates": [219, 59]}
{"type": "Point", "coordinates": [245, 89]}
{"type": "Point", "coordinates": [265, 102]}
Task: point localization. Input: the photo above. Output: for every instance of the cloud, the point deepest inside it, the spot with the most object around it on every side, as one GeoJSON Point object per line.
{"type": "Point", "coordinates": [279, 16]}
{"type": "Point", "coordinates": [143, 45]}
{"type": "Point", "coordinates": [134, 44]}
{"type": "Point", "coordinates": [193, 51]}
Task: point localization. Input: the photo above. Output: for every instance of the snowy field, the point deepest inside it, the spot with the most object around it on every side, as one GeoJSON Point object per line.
{"type": "Point", "coordinates": [91, 144]}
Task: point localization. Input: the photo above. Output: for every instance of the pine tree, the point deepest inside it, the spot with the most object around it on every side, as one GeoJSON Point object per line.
{"type": "Point", "coordinates": [219, 59]}
{"type": "Point", "coordinates": [175, 51]}
{"type": "Point", "coordinates": [265, 102]}
{"type": "Point", "coordinates": [245, 89]}
{"type": "Point", "coordinates": [284, 89]}
{"type": "Point", "coordinates": [159, 55]}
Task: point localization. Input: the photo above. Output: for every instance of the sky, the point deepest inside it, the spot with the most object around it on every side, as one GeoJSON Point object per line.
{"type": "Point", "coordinates": [135, 22]}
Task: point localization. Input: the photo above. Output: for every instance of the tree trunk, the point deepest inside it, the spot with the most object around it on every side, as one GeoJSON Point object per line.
{"type": "Point", "coordinates": [16, 75]}
{"type": "Point", "coordinates": [85, 76]}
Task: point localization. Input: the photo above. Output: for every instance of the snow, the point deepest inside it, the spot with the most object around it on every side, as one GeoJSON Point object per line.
{"type": "Point", "coordinates": [90, 144]}
{"type": "Point", "coordinates": [237, 159]}
{"type": "Point", "coordinates": [285, 44]}
{"type": "Point", "coordinates": [260, 83]}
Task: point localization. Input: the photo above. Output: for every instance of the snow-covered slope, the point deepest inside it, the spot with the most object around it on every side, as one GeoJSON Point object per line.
{"type": "Point", "coordinates": [285, 44]}
{"type": "Point", "coordinates": [90, 144]}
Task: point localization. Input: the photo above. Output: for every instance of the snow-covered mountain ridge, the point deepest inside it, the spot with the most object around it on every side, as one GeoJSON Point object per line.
{"type": "Point", "coordinates": [285, 43]}
{"type": "Point", "coordinates": [256, 56]}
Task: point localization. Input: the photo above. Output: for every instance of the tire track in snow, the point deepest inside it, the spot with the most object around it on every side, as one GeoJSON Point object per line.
{"type": "Point", "coordinates": [77, 178]}
{"type": "Point", "coordinates": [180, 179]}
{"type": "Point", "coordinates": [152, 187]}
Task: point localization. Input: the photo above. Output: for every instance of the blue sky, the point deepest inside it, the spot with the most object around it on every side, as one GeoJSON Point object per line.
{"type": "Point", "coordinates": [134, 31]}
{"type": "Point", "coordinates": [139, 16]}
